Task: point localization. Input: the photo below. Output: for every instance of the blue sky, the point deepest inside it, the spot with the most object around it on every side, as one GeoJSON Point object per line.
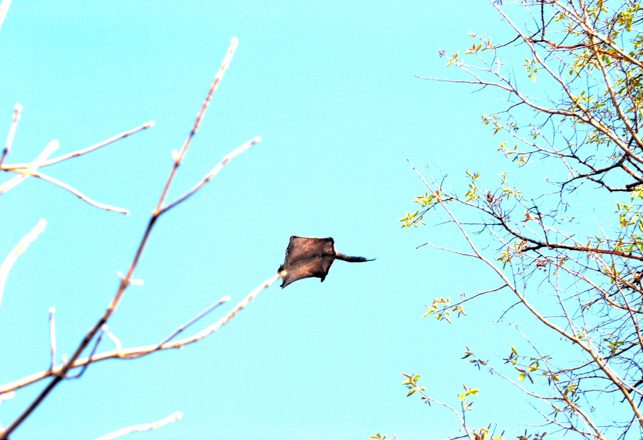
{"type": "Point", "coordinates": [331, 88]}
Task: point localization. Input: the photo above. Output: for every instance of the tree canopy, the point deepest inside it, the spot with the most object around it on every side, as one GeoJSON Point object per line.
{"type": "Point", "coordinates": [571, 78]}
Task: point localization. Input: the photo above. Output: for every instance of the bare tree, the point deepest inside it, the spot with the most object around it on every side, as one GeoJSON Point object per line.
{"type": "Point", "coordinates": [90, 349]}
{"type": "Point", "coordinates": [575, 106]}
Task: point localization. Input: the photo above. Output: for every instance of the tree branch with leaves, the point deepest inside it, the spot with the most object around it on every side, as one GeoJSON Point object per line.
{"type": "Point", "coordinates": [574, 114]}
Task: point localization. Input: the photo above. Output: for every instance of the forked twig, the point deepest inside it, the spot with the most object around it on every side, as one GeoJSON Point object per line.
{"type": "Point", "coordinates": [30, 169]}
{"type": "Point", "coordinates": [213, 172]}
{"type": "Point", "coordinates": [178, 159]}
{"type": "Point", "coordinates": [49, 149]}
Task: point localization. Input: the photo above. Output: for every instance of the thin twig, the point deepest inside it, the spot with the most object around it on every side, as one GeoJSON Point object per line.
{"type": "Point", "coordinates": [113, 338]}
{"type": "Point", "coordinates": [197, 318]}
{"type": "Point", "coordinates": [213, 172]}
{"type": "Point", "coordinates": [175, 416]}
{"type": "Point", "coordinates": [31, 167]}
{"type": "Point", "coordinates": [22, 246]}
{"type": "Point", "coordinates": [91, 355]}
{"type": "Point", "coordinates": [240, 306]}
{"type": "Point", "coordinates": [17, 109]}
{"type": "Point", "coordinates": [91, 148]}
{"type": "Point", "coordinates": [186, 144]}
{"type": "Point", "coordinates": [144, 350]}
{"type": "Point", "coordinates": [452, 251]}
{"type": "Point", "coordinates": [52, 337]}
{"type": "Point", "coordinates": [77, 193]}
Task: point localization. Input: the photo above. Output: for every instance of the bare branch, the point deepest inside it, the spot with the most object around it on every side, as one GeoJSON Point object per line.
{"type": "Point", "coordinates": [77, 193]}
{"type": "Point", "coordinates": [4, 9]}
{"type": "Point", "coordinates": [126, 280]}
{"type": "Point", "coordinates": [49, 149]}
{"type": "Point", "coordinates": [213, 172]}
{"type": "Point", "coordinates": [186, 144]}
{"type": "Point", "coordinates": [17, 109]}
{"type": "Point", "coordinates": [174, 417]}
{"type": "Point", "coordinates": [89, 149]}
{"type": "Point", "coordinates": [52, 338]}
{"type": "Point", "coordinates": [196, 319]}
{"type": "Point", "coordinates": [169, 343]}
{"type": "Point", "coordinates": [22, 246]}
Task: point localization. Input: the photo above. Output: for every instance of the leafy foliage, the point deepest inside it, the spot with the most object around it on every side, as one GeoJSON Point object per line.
{"type": "Point", "coordinates": [574, 115]}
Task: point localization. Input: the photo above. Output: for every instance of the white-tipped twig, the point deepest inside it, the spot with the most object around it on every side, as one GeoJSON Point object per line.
{"type": "Point", "coordinates": [22, 246]}
{"type": "Point", "coordinates": [17, 109]}
{"type": "Point", "coordinates": [213, 172]}
{"type": "Point", "coordinates": [4, 9]}
{"type": "Point", "coordinates": [175, 416]}
{"type": "Point", "coordinates": [52, 337]}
